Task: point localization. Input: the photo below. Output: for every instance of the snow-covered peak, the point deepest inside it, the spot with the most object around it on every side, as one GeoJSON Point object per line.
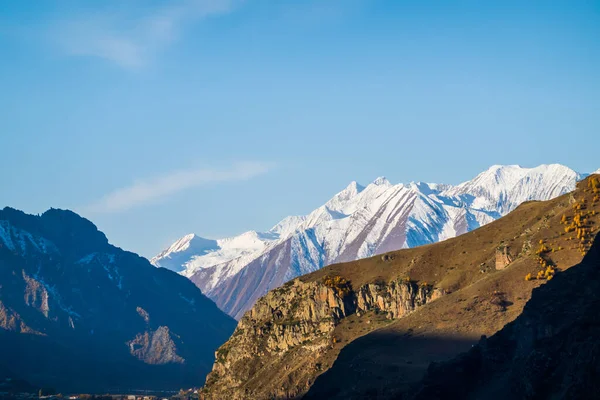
{"type": "Point", "coordinates": [502, 188]}
{"type": "Point", "coordinates": [191, 242]}
{"type": "Point", "coordinates": [381, 181]}
{"type": "Point", "coordinates": [428, 188]}
{"type": "Point", "coordinates": [288, 225]}
{"type": "Point", "coordinates": [182, 243]}
{"type": "Point", "coordinates": [175, 256]}
{"type": "Point", "coordinates": [501, 167]}
{"type": "Point", "coordinates": [352, 189]}
{"type": "Point", "coordinates": [192, 252]}
{"type": "Point", "coordinates": [596, 171]}
{"type": "Point", "coordinates": [341, 199]}
{"type": "Point", "coordinates": [248, 240]}
{"type": "Point", "coordinates": [495, 178]}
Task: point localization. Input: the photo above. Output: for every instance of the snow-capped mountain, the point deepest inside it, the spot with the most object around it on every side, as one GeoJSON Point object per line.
{"type": "Point", "coordinates": [357, 222]}
{"type": "Point", "coordinates": [193, 252]}
{"type": "Point", "coordinates": [502, 188]}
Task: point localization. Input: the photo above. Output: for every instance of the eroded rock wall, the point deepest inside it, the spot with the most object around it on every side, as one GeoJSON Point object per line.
{"type": "Point", "coordinates": [276, 347]}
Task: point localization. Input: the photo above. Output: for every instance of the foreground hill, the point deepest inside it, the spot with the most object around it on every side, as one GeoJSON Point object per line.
{"type": "Point", "coordinates": [356, 223]}
{"type": "Point", "coordinates": [370, 328]}
{"type": "Point", "coordinates": [552, 350]}
{"type": "Point", "coordinates": [79, 314]}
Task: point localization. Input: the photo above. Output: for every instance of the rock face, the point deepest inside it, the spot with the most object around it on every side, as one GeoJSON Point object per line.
{"type": "Point", "coordinates": [297, 322]}
{"type": "Point", "coordinates": [503, 258]}
{"type": "Point", "coordinates": [155, 347]}
{"type": "Point", "coordinates": [397, 298]}
{"type": "Point", "coordinates": [551, 351]}
{"type": "Point", "coordinates": [79, 314]}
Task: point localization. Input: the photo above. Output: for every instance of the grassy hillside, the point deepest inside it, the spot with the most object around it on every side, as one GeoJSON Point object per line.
{"type": "Point", "coordinates": [551, 351]}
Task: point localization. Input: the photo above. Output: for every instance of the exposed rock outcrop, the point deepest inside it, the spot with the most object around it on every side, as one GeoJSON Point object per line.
{"type": "Point", "coordinates": [276, 349]}
{"type": "Point", "coordinates": [155, 347]}
{"type": "Point", "coordinates": [36, 295]}
{"type": "Point", "coordinates": [503, 257]}
{"type": "Point", "coordinates": [396, 298]}
{"type": "Point", "coordinates": [143, 313]}
{"type": "Point", "coordinates": [9, 320]}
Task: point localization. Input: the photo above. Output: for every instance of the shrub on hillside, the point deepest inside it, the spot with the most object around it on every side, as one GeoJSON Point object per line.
{"type": "Point", "coordinates": [341, 285]}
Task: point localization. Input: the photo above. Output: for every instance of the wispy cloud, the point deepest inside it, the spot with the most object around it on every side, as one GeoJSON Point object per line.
{"type": "Point", "coordinates": [132, 37]}
{"type": "Point", "coordinates": [161, 187]}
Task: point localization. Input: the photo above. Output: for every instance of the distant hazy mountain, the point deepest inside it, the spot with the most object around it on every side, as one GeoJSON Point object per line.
{"type": "Point", "coordinates": [357, 222]}
{"type": "Point", "coordinates": [77, 313]}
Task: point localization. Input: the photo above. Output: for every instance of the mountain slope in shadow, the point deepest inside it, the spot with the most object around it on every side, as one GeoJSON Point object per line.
{"type": "Point", "coordinates": [551, 351]}
{"type": "Point", "coordinates": [78, 314]}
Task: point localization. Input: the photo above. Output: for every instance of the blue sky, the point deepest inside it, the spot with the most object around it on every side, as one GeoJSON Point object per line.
{"type": "Point", "coordinates": [155, 119]}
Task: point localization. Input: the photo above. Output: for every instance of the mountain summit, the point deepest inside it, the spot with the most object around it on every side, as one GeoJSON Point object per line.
{"type": "Point", "coordinates": [359, 222]}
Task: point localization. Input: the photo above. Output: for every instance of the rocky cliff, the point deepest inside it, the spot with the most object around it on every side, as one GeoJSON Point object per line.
{"type": "Point", "coordinates": [298, 322]}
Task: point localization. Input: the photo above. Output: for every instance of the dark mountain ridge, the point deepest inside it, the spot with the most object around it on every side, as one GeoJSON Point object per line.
{"type": "Point", "coordinates": [79, 314]}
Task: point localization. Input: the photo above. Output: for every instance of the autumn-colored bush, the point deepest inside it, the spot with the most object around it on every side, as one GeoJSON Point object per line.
{"type": "Point", "coordinates": [540, 275]}
{"type": "Point", "coordinates": [594, 184]}
{"type": "Point", "coordinates": [549, 272]}
{"type": "Point", "coordinates": [543, 248]}
{"type": "Point", "coordinates": [341, 285]}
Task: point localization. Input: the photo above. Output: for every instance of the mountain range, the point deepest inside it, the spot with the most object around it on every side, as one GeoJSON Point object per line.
{"type": "Point", "coordinates": [358, 222]}
{"type": "Point", "coordinates": [78, 314]}
{"type": "Point", "coordinates": [375, 327]}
